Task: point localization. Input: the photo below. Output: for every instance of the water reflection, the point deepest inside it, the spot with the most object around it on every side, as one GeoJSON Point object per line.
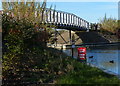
{"type": "Point", "coordinates": [104, 57]}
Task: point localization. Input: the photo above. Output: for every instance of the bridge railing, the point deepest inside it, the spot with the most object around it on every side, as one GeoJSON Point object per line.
{"type": "Point", "coordinates": [64, 18]}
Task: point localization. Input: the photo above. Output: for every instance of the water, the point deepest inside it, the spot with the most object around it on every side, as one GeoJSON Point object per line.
{"type": "Point", "coordinates": [102, 57]}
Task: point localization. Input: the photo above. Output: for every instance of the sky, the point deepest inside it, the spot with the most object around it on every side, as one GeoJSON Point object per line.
{"type": "Point", "coordinates": [90, 11]}
{"type": "Point", "coordinates": [0, 5]}
{"type": "Point", "coordinates": [119, 11]}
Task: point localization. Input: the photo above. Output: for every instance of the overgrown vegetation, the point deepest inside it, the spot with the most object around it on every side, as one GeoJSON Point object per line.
{"type": "Point", "coordinates": [37, 65]}
{"type": "Point", "coordinates": [109, 25]}
{"type": "Point", "coordinates": [24, 31]}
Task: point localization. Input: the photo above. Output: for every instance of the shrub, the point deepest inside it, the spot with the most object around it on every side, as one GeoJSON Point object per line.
{"type": "Point", "coordinates": [109, 24]}
{"type": "Point", "coordinates": [22, 34]}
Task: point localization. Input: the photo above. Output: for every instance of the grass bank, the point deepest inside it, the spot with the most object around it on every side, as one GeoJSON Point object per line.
{"type": "Point", "coordinates": [83, 74]}
{"type": "Point", "coordinates": [48, 65]}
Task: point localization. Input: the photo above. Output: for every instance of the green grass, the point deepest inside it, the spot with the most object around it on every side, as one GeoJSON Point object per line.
{"type": "Point", "coordinates": [83, 74]}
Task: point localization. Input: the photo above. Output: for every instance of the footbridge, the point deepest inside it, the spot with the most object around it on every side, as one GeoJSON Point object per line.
{"type": "Point", "coordinates": [65, 20]}
{"type": "Point", "coordinates": [68, 21]}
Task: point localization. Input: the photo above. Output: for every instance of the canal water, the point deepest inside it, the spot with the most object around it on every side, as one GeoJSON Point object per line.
{"type": "Point", "coordinates": [105, 57]}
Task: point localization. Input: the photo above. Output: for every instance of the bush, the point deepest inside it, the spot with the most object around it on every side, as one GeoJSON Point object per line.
{"type": "Point", "coordinates": [22, 34]}
{"type": "Point", "coordinates": [109, 24]}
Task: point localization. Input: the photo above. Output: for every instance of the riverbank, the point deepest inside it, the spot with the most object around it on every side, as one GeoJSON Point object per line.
{"type": "Point", "coordinates": [84, 74]}
{"type": "Point", "coordinates": [51, 66]}
{"type": "Point", "coordinates": [109, 36]}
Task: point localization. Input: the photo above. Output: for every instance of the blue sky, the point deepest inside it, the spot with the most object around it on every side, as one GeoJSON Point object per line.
{"type": "Point", "coordinates": [0, 5]}
{"type": "Point", "coordinates": [90, 11]}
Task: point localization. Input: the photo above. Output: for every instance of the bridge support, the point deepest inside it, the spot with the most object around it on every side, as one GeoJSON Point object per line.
{"type": "Point", "coordinates": [55, 37]}
{"type": "Point", "coordinates": [72, 50]}
{"type": "Point", "coordinates": [70, 36]}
